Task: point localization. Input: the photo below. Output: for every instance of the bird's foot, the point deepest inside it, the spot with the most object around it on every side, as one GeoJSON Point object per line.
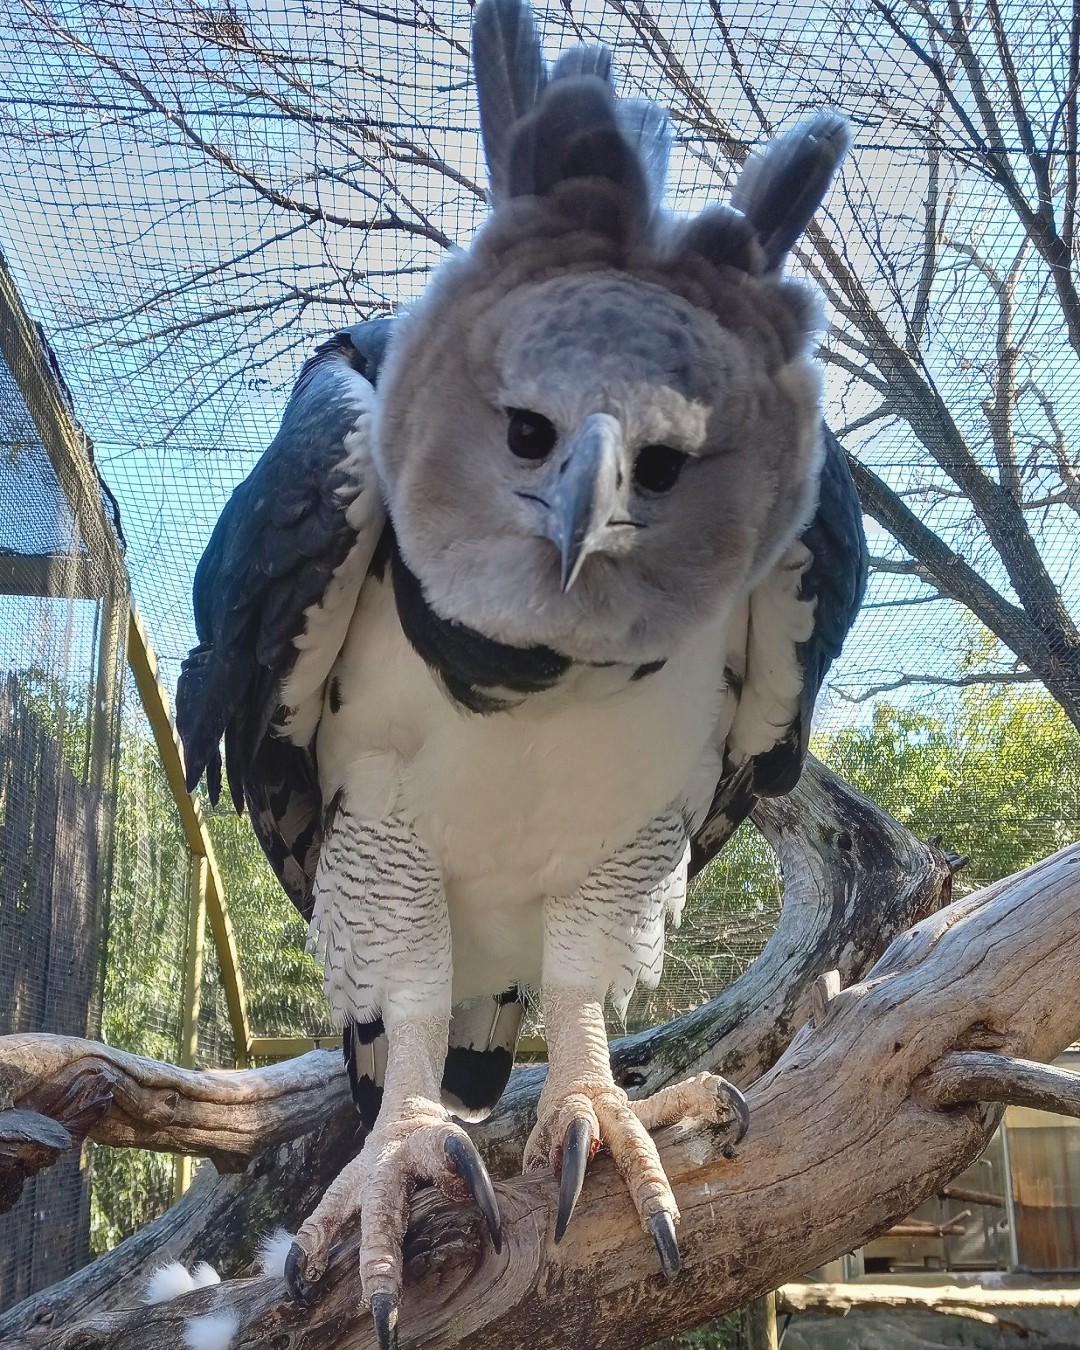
{"type": "Point", "coordinates": [587, 1114]}
{"type": "Point", "coordinates": [707, 1098]}
{"type": "Point", "coordinates": [420, 1144]}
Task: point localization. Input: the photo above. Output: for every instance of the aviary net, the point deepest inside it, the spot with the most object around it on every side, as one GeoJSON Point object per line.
{"type": "Point", "coordinates": [202, 192]}
{"type": "Point", "coordinates": [63, 612]}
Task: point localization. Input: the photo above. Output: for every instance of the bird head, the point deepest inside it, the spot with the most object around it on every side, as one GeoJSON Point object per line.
{"type": "Point", "coordinates": [601, 425]}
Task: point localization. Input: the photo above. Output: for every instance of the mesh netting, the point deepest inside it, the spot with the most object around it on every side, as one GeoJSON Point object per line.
{"type": "Point", "coordinates": [201, 192]}
{"type": "Point", "coordinates": [63, 604]}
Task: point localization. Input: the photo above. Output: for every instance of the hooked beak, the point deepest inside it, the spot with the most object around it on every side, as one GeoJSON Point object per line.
{"type": "Point", "coordinates": [586, 498]}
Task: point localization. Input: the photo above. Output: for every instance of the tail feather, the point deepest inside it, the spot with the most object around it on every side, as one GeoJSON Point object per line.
{"type": "Point", "coordinates": [578, 61]}
{"type": "Point", "coordinates": [364, 1047]}
{"type": "Point", "coordinates": [483, 1038]}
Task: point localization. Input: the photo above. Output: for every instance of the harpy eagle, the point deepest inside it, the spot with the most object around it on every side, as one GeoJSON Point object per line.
{"type": "Point", "coordinates": [531, 595]}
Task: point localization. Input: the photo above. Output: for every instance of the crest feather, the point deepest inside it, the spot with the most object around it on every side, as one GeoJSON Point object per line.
{"type": "Point", "coordinates": [782, 186]}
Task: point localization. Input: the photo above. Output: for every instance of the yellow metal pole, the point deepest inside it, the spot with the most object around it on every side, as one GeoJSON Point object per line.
{"type": "Point", "coordinates": [761, 1324]}
{"type": "Point", "coordinates": [193, 974]}
{"type": "Point", "coordinates": [155, 701]}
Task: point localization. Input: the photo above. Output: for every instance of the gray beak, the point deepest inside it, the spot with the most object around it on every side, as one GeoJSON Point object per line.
{"type": "Point", "coordinates": [586, 495]}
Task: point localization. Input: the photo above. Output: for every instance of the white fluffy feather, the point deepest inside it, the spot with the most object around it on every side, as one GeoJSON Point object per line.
{"type": "Point", "coordinates": [203, 1275]}
{"type": "Point", "coordinates": [168, 1281]}
{"type": "Point", "coordinates": [212, 1331]}
{"type": "Point", "coordinates": [273, 1250]}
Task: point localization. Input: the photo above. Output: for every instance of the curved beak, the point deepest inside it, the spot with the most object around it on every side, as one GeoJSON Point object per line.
{"type": "Point", "coordinates": [587, 495]}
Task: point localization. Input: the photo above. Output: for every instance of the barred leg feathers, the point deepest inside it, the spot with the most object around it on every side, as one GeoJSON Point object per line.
{"type": "Point", "coordinates": [609, 936]}
{"type": "Point", "coordinates": [379, 922]}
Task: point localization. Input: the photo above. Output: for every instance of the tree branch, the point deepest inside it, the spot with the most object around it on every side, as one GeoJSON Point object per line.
{"type": "Point", "coordinates": [841, 1146]}
{"type": "Point", "coordinates": [968, 1076]}
{"type": "Point", "coordinates": [938, 681]}
{"type": "Point", "coordinates": [125, 1100]}
{"type": "Point", "coordinates": [853, 879]}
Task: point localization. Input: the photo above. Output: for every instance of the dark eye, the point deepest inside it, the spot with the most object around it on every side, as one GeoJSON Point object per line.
{"type": "Point", "coordinates": [530, 435]}
{"type": "Point", "coordinates": [657, 467]}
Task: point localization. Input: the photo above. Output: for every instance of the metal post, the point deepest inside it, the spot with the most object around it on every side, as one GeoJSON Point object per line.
{"type": "Point", "coordinates": [193, 973]}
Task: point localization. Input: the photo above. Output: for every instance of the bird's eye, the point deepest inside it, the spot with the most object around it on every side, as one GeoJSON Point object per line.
{"type": "Point", "coordinates": [657, 467]}
{"type": "Point", "coordinates": [530, 435]}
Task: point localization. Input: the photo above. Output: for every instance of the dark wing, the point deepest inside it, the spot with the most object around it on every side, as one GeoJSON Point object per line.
{"type": "Point", "coordinates": [834, 583]}
{"type": "Point", "coordinates": [274, 594]}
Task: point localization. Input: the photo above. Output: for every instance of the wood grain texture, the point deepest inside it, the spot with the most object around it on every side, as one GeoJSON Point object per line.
{"type": "Point", "coordinates": [838, 1147]}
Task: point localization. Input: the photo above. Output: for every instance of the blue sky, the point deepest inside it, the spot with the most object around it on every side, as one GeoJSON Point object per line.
{"type": "Point", "coordinates": [126, 244]}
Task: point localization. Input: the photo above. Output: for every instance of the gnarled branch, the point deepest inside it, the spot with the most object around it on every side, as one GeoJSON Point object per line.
{"type": "Point", "coordinates": [824, 1121]}
{"type": "Point", "coordinates": [842, 1144]}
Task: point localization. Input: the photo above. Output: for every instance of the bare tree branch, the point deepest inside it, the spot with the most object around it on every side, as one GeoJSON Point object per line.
{"type": "Point", "coordinates": [937, 682]}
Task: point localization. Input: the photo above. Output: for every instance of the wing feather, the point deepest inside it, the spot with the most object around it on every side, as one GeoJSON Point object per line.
{"type": "Point", "coordinates": [817, 586]}
{"type": "Point", "coordinates": [274, 594]}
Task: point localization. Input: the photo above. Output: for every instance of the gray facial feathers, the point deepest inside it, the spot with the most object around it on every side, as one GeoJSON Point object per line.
{"type": "Point", "coordinates": [581, 299]}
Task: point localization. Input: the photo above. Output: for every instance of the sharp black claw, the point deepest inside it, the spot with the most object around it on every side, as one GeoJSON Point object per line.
{"type": "Point", "coordinates": [469, 1166]}
{"type": "Point", "coordinates": [737, 1102]}
{"type": "Point", "coordinates": [384, 1310]}
{"type": "Point", "coordinates": [662, 1228]}
{"type": "Point", "coordinates": [297, 1286]}
{"type": "Point", "coordinates": [576, 1151]}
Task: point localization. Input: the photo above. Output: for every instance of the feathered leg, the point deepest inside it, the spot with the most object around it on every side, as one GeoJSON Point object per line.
{"type": "Point", "coordinates": [382, 928]}
{"type": "Point", "coordinates": [606, 937]}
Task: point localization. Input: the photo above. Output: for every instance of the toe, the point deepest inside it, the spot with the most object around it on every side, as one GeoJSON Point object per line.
{"type": "Point", "coordinates": [636, 1157]}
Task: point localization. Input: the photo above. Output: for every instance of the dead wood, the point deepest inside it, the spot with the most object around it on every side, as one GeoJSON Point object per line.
{"type": "Point", "coordinates": [981, 1075]}
{"type": "Point", "coordinates": [990, 1306]}
{"type": "Point", "coordinates": [117, 1098]}
{"type": "Point", "coordinates": [842, 1144]}
{"type": "Point", "coordinates": [853, 879]}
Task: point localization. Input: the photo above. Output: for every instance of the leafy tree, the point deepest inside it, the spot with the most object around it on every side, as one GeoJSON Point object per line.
{"type": "Point", "coordinates": [996, 777]}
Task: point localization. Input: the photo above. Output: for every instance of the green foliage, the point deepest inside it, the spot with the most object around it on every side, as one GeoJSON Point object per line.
{"type": "Point", "coordinates": [142, 1005]}
{"type": "Point", "coordinates": [129, 1189]}
{"type": "Point", "coordinates": [998, 776]}
{"type": "Point", "coordinates": [282, 982]}
{"type": "Point", "coordinates": [726, 1333]}
{"type": "Point", "coordinates": [730, 913]}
